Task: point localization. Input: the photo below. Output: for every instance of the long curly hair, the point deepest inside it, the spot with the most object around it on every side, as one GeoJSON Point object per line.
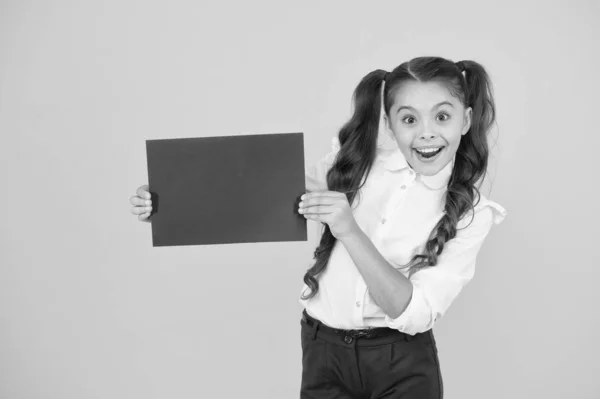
{"type": "Point", "coordinates": [358, 145]}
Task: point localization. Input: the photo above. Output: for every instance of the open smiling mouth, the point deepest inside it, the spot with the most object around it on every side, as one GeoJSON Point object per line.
{"type": "Point", "coordinates": [429, 153]}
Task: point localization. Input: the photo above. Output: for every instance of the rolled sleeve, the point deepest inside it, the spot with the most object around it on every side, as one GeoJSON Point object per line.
{"type": "Point", "coordinates": [316, 173]}
{"type": "Point", "coordinates": [435, 288]}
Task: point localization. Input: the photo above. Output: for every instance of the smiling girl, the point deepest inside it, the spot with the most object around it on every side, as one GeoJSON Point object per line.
{"type": "Point", "coordinates": [401, 230]}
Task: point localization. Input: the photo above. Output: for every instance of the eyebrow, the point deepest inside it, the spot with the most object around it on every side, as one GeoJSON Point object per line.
{"type": "Point", "coordinates": [436, 106]}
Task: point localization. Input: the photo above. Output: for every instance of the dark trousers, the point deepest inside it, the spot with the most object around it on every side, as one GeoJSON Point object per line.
{"type": "Point", "coordinates": [338, 364]}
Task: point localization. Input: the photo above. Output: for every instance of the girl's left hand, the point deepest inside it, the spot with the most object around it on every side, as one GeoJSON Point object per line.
{"type": "Point", "coordinates": [329, 207]}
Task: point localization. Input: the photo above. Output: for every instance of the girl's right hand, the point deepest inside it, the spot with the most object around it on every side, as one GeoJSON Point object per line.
{"type": "Point", "coordinates": [142, 204]}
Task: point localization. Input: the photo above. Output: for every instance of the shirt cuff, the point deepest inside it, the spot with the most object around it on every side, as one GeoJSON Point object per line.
{"type": "Point", "coordinates": [416, 318]}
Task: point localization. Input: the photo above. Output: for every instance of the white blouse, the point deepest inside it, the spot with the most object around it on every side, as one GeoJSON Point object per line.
{"type": "Point", "coordinates": [397, 209]}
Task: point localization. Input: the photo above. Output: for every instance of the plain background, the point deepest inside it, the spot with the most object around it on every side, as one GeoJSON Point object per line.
{"type": "Point", "coordinates": [89, 309]}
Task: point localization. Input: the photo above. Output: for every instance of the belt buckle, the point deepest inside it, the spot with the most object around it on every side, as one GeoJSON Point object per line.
{"type": "Point", "coordinates": [367, 333]}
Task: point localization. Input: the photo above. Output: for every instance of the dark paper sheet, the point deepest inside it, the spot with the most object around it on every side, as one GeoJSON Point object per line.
{"type": "Point", "coordinates": [225, 190]}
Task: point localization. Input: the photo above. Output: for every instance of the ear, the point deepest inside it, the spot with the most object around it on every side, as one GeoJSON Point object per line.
{"type": "Point", "coordinates": [387, 127]}
{"type": "Point", "coordinates": [467, 125]}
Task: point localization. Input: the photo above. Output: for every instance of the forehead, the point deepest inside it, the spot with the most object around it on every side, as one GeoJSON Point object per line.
{"type": "Point", "coordinates": [422, 95]}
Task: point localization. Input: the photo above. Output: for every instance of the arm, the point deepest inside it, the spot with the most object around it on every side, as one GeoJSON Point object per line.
{"type": "Point", "coordinates": [390, 289]}
{"type": "Point", "coordinates": [413, 305]}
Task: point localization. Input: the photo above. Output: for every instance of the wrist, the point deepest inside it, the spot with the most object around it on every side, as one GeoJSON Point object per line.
{"type": "Point", "coordinates": [353, 235]}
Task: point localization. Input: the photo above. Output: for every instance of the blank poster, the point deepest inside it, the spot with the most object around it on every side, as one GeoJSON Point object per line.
{"type": "Point", "coordinates": [225, 190]}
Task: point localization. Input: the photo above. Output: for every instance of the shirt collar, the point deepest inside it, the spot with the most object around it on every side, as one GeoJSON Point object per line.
{"type": "Point", "coordinates": [395, 161]}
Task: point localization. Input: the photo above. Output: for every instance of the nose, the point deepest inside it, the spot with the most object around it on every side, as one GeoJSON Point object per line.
{"type": "Point", "coordinates": [427, 135]}
{"type": "Point", "coordinates": [428, 131]}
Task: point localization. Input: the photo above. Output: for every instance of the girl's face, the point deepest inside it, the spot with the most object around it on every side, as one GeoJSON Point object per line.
{"type": "Point", "coordinates": [426, 116]}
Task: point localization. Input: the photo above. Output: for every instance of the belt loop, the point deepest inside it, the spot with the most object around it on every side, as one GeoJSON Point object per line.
{"type": "Point", "coordinates": [408, 337]}
{"type": "Point", "coordinates": [315, 327]}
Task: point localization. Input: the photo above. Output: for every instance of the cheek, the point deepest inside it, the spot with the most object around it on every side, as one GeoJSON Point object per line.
{"type": "Point", "coordinates": [456, 129]}
{"type": "Point", "coordinates": [451, 132]}
{"type": "Point", "coordinates": [403, 135]}
{"type": "Point", "coordinates": [404, 139]}
{"type": "Point", "coordinates": [405, 143]}
{"type": "Point", "coordinates": [454, 137]}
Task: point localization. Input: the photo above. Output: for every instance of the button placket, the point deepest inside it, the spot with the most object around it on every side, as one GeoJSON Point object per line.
{"type": "Point", "coordinates": [400, 193]}
{"type": "Point", "coordinates": [393, 204]}
{"type": "Point", "coordinates": [361, 289]}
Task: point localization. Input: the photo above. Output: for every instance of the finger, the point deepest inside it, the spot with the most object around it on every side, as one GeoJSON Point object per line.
{"type": "Point", "coordinates": [321, 194]}
{"type": "Point", "coordinates": [317, 210]}
{"type": "Point", "coordinates": [144, 217]}
{"type": "Point", "coordinates": [144, 192]}
{"type": "Point", "coordinates": [311, 203]}
{"type": "Point", "coordinates": [138, 201]}
{"type": "Point", "coordinates": [138, 210]}
{"type": "Point", "coordinates": [327, 200]}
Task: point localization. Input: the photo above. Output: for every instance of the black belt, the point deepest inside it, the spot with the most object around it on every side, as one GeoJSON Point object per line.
{"type": "Point", "coordinates": [348, 335]}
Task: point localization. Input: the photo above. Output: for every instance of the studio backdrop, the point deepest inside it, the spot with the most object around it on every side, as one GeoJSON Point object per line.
{"type": "Point", "coordinates": [90, 309]}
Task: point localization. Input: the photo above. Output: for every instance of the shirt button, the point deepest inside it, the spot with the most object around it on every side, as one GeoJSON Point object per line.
{"type": "Point", "coordinates": [358, 304]}
{"type": "Point", "coordinates": [383, 221]}
{"type": "Point", "coordinates": [403, 186]}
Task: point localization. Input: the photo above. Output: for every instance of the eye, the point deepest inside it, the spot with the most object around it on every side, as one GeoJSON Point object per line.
{"type": "Point", "coordinates": [447, 116]}
{"type": "Point", "coordinates": [407, 117]}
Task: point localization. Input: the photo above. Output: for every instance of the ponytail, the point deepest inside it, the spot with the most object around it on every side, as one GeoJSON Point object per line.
{"type": "Point", "coordinates": [480, 97]}
{"type": "Point", "coordinates": [358, 146]}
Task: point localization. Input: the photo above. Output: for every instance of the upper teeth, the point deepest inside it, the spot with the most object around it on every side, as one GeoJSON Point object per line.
{"type": "Point", "coordinates": [428, 149]}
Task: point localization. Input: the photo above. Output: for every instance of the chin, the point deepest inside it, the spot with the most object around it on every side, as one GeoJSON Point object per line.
{"type": "Point", "coordinates": [430, 169]}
